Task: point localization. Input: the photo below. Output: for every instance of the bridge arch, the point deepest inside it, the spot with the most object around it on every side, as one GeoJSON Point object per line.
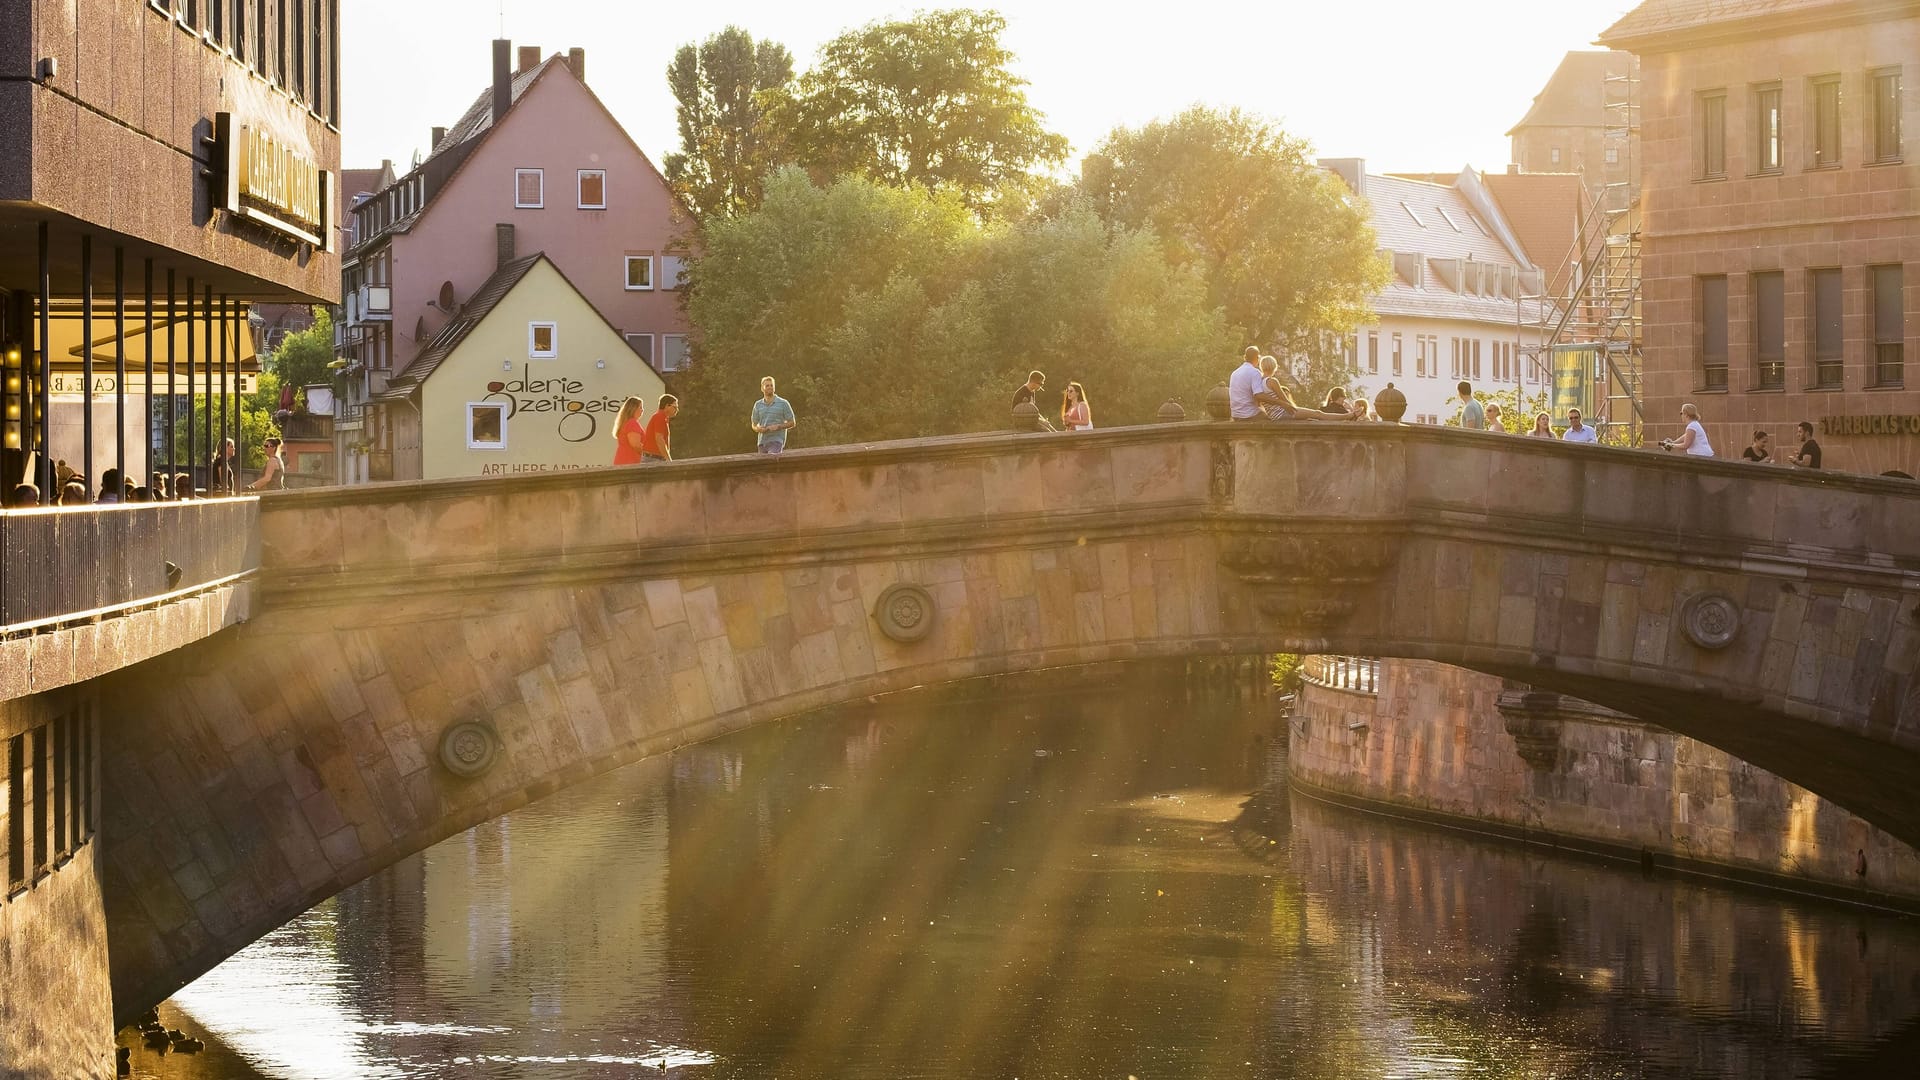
{"type": "Point", "coordinates": [594, 619]}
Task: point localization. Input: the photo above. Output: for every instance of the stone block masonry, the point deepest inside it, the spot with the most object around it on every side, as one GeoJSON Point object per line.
{"type": "Point", "coordinates": [1462, 746]}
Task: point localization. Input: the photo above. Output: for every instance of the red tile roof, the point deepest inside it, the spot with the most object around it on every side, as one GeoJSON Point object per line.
{"type": "Point", "coordinates": [1654, 18]}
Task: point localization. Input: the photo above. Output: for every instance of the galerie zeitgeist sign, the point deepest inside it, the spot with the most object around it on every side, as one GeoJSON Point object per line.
{"type": "Point", "coordinates": [265, 180]}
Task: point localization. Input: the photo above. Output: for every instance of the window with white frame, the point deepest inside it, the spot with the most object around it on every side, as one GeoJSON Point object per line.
{"type": "Point", "coordinates": [486, 425]}
{"type": "Point", "coordinates": [529, 189]}
{"type": "Point", "coordinates": [639, 272]}
{"type": "Point", "coordinates": [673, 352]}
{"type": "Point", "coordinates": [672, 267]}
{"type": "Point", "coordinates": [543, 340]}
{"type": "Point", "coordinates": [593, 189]}
{"type": "Point", "coordinates": [642, 346]}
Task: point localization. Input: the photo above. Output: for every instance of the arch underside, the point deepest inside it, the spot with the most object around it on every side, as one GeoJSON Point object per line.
{"type": "Point", "coordinates": [1871, 779]}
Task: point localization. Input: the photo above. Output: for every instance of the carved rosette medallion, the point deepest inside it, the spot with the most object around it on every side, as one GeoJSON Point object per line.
{"type": "Point", "coordinates": [468, 748]}
{"type": "Point", "coordinates": [1710, 619]}
{"type": "Point", "coordinates": [1314, 579]}
{"type": "Point", "coordinates": [905, 612]}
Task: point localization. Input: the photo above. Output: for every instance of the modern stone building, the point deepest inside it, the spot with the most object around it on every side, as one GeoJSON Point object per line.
{"type": "Point", "coordinates": [1781, 200]}
{"type": "Point", "coordinates": [1457, 306]}
{"type": "Point", "coordinates": [162, 165]}
{"type": "Point", "coordinates": [537, 164]}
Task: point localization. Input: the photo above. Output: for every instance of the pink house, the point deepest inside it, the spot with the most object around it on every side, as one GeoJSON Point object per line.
{"type": "Point", "coordinates": [537, 164]}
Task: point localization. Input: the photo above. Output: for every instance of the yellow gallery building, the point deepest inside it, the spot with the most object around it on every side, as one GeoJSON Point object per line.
{"type": "Point", "coordinates": [529, 378]}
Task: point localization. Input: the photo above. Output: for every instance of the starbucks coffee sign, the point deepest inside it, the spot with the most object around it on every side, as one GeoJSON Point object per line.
{"type": "Point", "coordinates": [1871, 424]}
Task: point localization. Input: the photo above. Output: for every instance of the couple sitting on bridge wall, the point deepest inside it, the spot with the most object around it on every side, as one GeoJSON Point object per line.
{"type": "Point", "coordinates": [1254, 392]}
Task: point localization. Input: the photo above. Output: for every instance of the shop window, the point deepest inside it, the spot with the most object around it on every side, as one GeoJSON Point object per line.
{"type": "Point", "coordinates": [593, 189]}
{"type": "Point", "coordinates": [543, 340]}
{"type": "Point", "coordinates": [486, 425]}
{"type": "Point", "coordinates": [639, 273]}
{"type": "Point", "coordinates": [529, 189]}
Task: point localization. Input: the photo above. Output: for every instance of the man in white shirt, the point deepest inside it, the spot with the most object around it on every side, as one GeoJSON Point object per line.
{"type": "Point", "coordinates": [1247, 388]}
{"type": "Point", "coordinates": [1576, 431]}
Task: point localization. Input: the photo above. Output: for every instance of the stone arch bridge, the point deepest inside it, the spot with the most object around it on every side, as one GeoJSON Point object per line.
{"type": "Point", "coordinates": [550, 628]}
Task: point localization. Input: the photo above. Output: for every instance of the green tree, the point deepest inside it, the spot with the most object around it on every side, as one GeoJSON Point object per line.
{"type": "Point", "coordinates": [927, 101]}
{"type": "Point", "coordinates": [254, 422]}
{"type": "Point", "coordinates": [1517, 408]}
{"type": "Point", "coordinates": [893, 313]}
{"type": "Point", "coordinates": [1284, 246]}
{"type": "Point", "coordinates": [302, 358]}
{"type": "Point", "coordinates": [726, 146]}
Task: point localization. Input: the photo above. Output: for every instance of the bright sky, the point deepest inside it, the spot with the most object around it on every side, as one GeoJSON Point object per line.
{"type": "Point", "coordinates": [1409, 85]}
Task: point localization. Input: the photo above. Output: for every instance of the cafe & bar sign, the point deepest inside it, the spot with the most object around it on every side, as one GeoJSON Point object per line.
{"type": "Point", "coordinates": [1871, 424]}
{"type": "Point", "coordinates": [263, 179]}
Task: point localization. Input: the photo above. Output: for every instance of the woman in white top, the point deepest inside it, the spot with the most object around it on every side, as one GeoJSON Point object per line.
{"type": "Point", "coordinates": [1075, 413]}
{"type": "Point", "coordinates": [1694, 439]}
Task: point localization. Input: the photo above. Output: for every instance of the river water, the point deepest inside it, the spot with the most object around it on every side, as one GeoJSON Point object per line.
{"type": "Point", "coordinates": [1052, 876]}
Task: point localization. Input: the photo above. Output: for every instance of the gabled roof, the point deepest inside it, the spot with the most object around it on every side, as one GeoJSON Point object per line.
{"type": "Point", "coordinates": [491, 293]}
{"type": "Point", "coordinates": [1544, 210]}
{"type": "Point", "coordinates": [473, 127]}
{"type": "Point", "coordinates": [1435, 220]}
{"type": "Point", "coordinates": [1575, 93]}
{"type": "Point", "coordinates": [1680, 19]}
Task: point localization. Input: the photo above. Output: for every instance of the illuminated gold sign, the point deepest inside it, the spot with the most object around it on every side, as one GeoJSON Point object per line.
{"type": "Point", "coordinates": [1871, 424]}
{"type": "Point", "coordinates": [64, 384]}
{"type": "Point", "coordinates": [265, 180]}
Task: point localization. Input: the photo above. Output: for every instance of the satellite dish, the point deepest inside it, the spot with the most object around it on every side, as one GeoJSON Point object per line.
{"type": "Point", "coordinates": [446, 296]}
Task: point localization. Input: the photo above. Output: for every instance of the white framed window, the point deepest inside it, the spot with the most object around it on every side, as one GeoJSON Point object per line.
{"type": "Point", "coordinates": [672, 267]}
{"type": "Point", "coordinates": [642, 346]}
{"type": "Point", "coordinates": [1554, 155]}
{"type": "Point", "coordinates": [529, 189]}
{"type": "Point", "coordinates": [673, 352]}
{"type": "Point", "coordinates": [543, 340]}
{"type": "Point", "coordinates": [486, 425]}
{"type": "Point", "coordinates": [593, 189]}
{"type": "Point", "coordinates": [639, 273]}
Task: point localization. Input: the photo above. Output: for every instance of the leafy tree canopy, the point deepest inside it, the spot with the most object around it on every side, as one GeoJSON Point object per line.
{"type": "Point", "coordinates": [726, 146]}
{"type": "Point", "coordinates": [1283, 245]}
{"type": "Point", "coordinates": [928, 101]}
{"type": "Point", "coordinates": [302, 358]}
{"type": "Point", "coordinates": [893, 313]}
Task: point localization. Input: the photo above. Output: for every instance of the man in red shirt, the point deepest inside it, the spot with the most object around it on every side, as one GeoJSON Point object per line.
{"type": "Point", "coordinates": [657, 442]}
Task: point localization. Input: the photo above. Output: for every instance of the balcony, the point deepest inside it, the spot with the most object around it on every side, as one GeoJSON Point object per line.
{"type": "Point", "coordinates": [307, 427]}
{"type": "Point", "coordinates": [370, 303]}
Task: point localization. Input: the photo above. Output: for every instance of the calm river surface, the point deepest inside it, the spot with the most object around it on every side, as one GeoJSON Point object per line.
{"type": "Point", "coordinates": [1048, 877]}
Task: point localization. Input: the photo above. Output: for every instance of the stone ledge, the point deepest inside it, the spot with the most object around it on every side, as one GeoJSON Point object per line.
{"type": "Point", "coordinates": [37, 663]}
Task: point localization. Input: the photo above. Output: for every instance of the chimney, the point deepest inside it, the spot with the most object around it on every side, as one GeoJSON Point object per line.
{"type": "Point", "coordinates": [1352, 170]}
{"type": "Point", "coordinates": [502, 77]}
{"type": "Point", "coordinates": [502, 245]}
{"type": "Point", "coordinates": [577, 60]}
{"type": "Point", "coordinates": [439, 135]}
{"type": "Point", "coordinates": [529, 58]}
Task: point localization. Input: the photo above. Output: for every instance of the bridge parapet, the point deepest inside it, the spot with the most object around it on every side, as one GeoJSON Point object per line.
{"type": "Point", "coordinates": [86, 590]}
{"type": "Point", "coordinates": [576, 622]}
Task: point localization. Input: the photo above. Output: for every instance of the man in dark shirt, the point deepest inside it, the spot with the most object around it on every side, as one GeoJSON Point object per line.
{"type": "Point", "coordinates": [1036, 382]}
{"type": "Point", "coordinates": [1809, 455]}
